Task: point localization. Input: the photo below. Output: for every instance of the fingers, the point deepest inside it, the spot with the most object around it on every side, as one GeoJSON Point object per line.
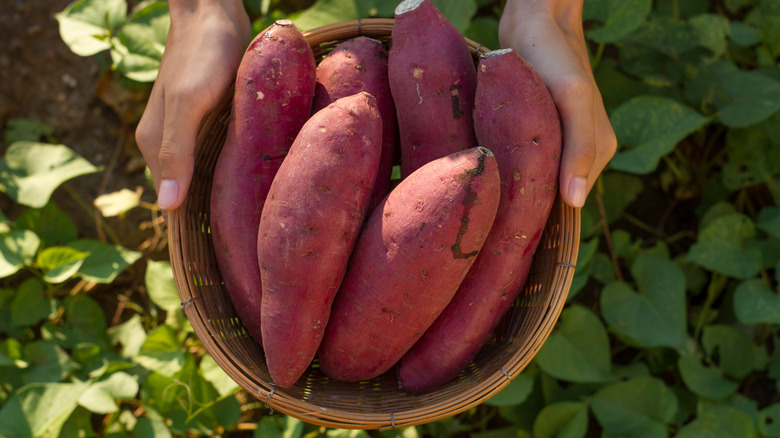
{"type": "Point", "coordinates": [176, 156]}
{"type": "Point", "coordinates": [575, 100]}
{"type": "Point", "coordinates": [148, 134]}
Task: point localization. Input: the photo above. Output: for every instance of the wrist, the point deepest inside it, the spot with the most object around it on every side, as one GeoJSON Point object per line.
{"type": "Point", "coordinates": [179, 7]}
{"type": "Point", "coordinates": [566, 14]}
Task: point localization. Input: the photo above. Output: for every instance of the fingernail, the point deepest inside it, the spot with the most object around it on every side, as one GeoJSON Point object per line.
{"type": "Point", "coordinates": [169, 190]}
{"type": "Point", "coordinates": [578, 188]}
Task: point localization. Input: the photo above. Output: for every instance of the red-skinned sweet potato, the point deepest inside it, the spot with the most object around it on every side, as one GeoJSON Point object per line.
{"type": "Point", "coordinates": [432, 79]}
{"type": "Point", "coordinates": [360, 64]}
{"type": "Point", "coordinates": [273, 95]}
{"type": "Point", "coordinates": [410, 258]}
{"type": "Point", "coordinates": [310, 222]}
{"type": "Point", "coordinates": [516, 118]}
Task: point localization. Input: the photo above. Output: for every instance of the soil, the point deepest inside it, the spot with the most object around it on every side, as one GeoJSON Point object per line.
{"type": "Point", "coordinates": [86, 107]}
{"type": "Point", "coordinates": [91, 112]}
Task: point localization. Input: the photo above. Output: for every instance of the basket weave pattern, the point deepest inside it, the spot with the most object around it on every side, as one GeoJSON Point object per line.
{"type": "Point", "coordinates": [377, 403]}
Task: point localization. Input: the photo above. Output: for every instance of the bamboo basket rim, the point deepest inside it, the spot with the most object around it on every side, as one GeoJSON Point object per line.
{"type": "Point", "coordinates": [191, 252]}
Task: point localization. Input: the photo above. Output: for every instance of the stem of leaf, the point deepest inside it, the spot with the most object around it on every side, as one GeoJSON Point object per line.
{"type": "Point", "coordinates": [607, 232]}
{"type": "Point", "coordinates": [676, 170]}
{"type": "Point", "coordinates": [191, 416]}
{"type": "Point", "coordinates": [89, 210]}
{"type": "Point", "coordinates": [715, 288]}
{"type": "Point", "coordinates": [773, 189]}
{"type": "Point", "coordinates": [597, 58]}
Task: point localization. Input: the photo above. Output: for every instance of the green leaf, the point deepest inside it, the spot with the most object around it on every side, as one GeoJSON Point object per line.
{"type": "Point", "coordinates": [60, 263]}
{"type": "Point", "coordinates": [105, 261]}
{"type": "Point", "coordinates": [30, 305]}
{"type": "Point", "coordinates": [619, 18]}
{"type": "Point", "coordinates": [484, 31]}
{"type": "Point", "coordinates": [724, 246]}
{"type": "Point", "coordinates": [742, 34]}
{"type": "Point", "coordinates": [346, 433]}
{"type": "Point", "coordinates": [640, 407]}
{"type": "Point", "coordinates": [21, 129]}
{"type": "Point", "coordinates": [87, 25]}
{"type": "Point", "coordinates": [161, 352]}
{"type": "Point", "coordinates": [579, 350]}
{"type": "Point", "coordinates": [293, 427]}
{"type": "Point", "coordinates": [85, 322]}
{"type": "Point", "coordinates": [623, 190]}
{"type": "Point", "coordinates": [562, 420]}
{"type": "Point", "coordinates": [704, 89]}
{"type": "Point", "coordinates": [101, 396]}
{"type": "Point", "coordinates": [78, 425]}
{"type": "Point", "coordinates": [117, 203]}
{"type": "Point", "coordinates": [650, 127]}
{"type": "Point", "coordinates": [737, 355]}
{"type": "Point", "coordinates": [39, 410]}
{"type": "Point", "coordinates": [755, 97]}
{"type": "Point", "coordinates": [32, 171]}
{"type": "Point", "coordinates": [459, 13]}
{"type": "Point", "coordinates": [11, 354]}
{"type": "Point", "coordinates": [756, 303]}
{"type": "Point", "coordinates": [769, 221]}
{"type": "Point", "coordinates": [769, 421]}
{"type": "Point", "coordinates": [712, 30]}
{"type": "Point", "coordinates": [130, 335]}
{"type": "Point", "coordinates": [324, 12]}
{"type": "Point", "coordinates": [753, 156]}
{"type": "Point", "coordinates": [654, 317]}
{"type": "Point", "coordinates": [666, 35]}
{"type": "Point", "coordinates": [768, 13]}
{"type": "Point", "coordinates": [139, 45]}
{"type": "Point", "coordinates": [177, 398]}
{"type": "Point", "coordinates": [151, 428]}
{"type": "Point", "coordinates": [48, 363]}
{"type": "Point", "coordinates": [160, 285]}
{"type": "Point", "coordinates": [719, 423]}
{"type": "Point", "coordinates": [704, 381]}
{"type": "Point", "coordinates": [49, 223]}
{"type": "Point", "coordinates": [17, 249]}
{"type": "Point", "coordinates": [212, 372]}
{"type": "Point", "coordinates": [514, 393]}
{"type": "Point", "coordinates": [267, 428]}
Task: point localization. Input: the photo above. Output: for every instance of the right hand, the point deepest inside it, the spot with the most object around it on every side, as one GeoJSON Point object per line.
{"type": "Point", "coordinates": [549, 35]}
{"type": "Point", "coordinates": [205, 44]}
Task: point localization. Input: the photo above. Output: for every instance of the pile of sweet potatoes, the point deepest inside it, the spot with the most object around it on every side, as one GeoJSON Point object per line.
{"type": "Point", "coordinates": [327, 259]}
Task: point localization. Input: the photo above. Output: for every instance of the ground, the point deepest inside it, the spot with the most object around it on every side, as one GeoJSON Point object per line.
{"type": "Point", "coordinates": [41, 79]}
{"type": "Point", "coordinates": [87, 109]}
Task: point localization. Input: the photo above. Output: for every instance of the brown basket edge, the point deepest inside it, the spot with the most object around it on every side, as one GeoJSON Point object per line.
{"type": "Point", "coordinates": [338, 418]}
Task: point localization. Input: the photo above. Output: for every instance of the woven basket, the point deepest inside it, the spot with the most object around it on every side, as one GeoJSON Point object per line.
{"type": "Point", "coordinates": [376, 403]}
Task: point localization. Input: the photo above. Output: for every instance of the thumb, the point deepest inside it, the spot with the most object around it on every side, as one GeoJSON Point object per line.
{"type": "Point", "coordinates": [177, 155]}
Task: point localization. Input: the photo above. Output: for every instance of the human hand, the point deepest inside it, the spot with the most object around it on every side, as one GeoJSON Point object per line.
{"type": "Point", "coordinates": [549, 35]}
{"type": "Point", "coordinates": [206, 41]}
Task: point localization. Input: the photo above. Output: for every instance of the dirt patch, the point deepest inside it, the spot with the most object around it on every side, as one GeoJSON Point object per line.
{"type": "Point", "coordinates": [41, 79]}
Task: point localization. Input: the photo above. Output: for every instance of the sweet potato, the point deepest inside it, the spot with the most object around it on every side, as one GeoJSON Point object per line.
{"type": "Point", "coordinates": [432, 80]}
{"type": "Point", "coordinates": [273, 96]}
{"type": "Point", "coordinates": [514, 116]}
{"type": "Point", "coordinates": [410, 258]}
{"type": "Point", "coordinates": [360, 64]}
{"type": "Point", "coordinates": [310, 222]}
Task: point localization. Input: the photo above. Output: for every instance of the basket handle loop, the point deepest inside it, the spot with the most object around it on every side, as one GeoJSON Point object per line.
{"type": "Point", "coordinates": [188, 302]}
{"type": "Point", "coordinates": [506, 374]}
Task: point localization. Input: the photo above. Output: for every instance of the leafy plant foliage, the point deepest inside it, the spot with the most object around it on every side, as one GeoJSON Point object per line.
{"type": "Point", "coordinates": [672, 323]}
